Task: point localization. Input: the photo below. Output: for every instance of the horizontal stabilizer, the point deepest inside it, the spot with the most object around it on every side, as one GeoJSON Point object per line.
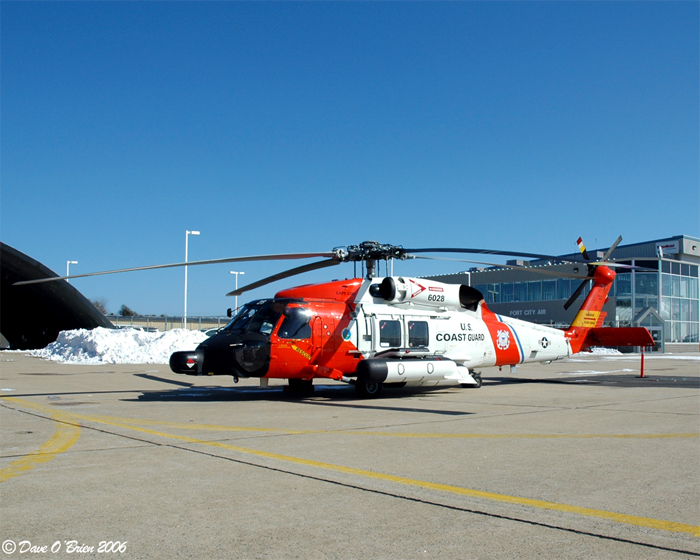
{"type": "Point", "coordinates": [618, 336]}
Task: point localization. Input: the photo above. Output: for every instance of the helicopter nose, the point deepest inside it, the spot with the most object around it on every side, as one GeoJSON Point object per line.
{"type": "Point", "coordinates": [189, 362]}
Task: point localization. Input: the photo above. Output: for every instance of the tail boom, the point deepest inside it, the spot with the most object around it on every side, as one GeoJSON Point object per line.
{"type": "Point", "coordinates": [587, 331]}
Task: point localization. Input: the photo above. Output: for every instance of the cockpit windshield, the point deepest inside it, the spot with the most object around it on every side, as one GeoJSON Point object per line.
{"type": "Point", "coordinates": [258, 316]}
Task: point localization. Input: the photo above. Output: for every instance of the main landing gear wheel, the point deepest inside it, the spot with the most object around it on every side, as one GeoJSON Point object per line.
{"type": "Point", "coordinates": [477, 378]}
{"type": "Point", "coordinates": [367, 389]}
{"type": "Point", "coordinates": [300, 386]}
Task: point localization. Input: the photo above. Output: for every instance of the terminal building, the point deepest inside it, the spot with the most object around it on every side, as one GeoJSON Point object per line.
{"type": "Point", "coordinates": [663, 297]}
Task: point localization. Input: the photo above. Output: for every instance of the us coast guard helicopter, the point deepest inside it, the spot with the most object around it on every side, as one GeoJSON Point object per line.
{"type": "Point", "coordinates": [391, 331]}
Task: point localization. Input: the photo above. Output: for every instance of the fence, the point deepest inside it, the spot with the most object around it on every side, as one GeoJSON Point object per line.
{"type": "Point", "coordinates": [153, 323]}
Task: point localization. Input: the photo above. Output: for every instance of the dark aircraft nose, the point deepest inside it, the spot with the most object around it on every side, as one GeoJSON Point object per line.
{"type": "Point", "coordinates": [226, 353]}
{"type": "Point", "coordinates": [189, 362]}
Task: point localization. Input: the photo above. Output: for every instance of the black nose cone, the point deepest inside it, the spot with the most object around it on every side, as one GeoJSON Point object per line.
{"type": "Point", "coordinates": [189, 363]}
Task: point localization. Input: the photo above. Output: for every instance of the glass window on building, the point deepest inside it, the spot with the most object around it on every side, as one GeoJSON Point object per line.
{"type": "Point", "coordinates": [693, 288]}
{"type": "Point", "coordinates": [685, 332]}
{"type": "Point", "coordinates": [549, 290]}
{"type": "Point", "coordinates": [694, 332]}
{"type": "Point", "coordinates": [534, 290]}
{"type": "Point", "coordinates": [507, 292]}
{"type": "Point", "coordinates": [623, 284]}
{"type": "Point", "coordinates": [666, 284]}
{"type": "Point", "coordinates": [520, 291]}
{"type": "Point", "coordinates": [644, 302]}
{"type": "Point", "coordinates": [624, 311]}
{"type": "Point", "coordinates": [684, 291]}
{"type": "Point", "coordinates": [675, 286]}
{"type": "Point", "coordinates": [563, 288]}
{"type": "Point", "coordinates": [646, 283]}
{"type": "Point", "coordinates": [685, 310]}
{"type": "Point", "coordinates": [665, 310]}
{"type": "Point", "coordinates": [494, 293]}
{"type": "Point", "coordinates": [675, 309]}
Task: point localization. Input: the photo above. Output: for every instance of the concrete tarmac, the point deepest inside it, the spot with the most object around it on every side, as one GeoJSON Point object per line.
{"type": "Point", "coordinates": [574, 459]}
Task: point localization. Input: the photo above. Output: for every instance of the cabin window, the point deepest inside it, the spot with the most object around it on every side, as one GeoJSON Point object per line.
{"type": "Point", "coordinates": [389, 334]}
{"type": "Point", "coordinates": [295, 324]}
{"type": "Point", "coordinates": [417, 334]}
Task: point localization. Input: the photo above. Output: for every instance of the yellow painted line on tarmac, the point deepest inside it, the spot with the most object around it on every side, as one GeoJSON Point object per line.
{"type": "Point", "coordinates": [429, 435]}
{"type": "Point", "coordinates": [539, 504]}
{"type": "Point", "coordinates": [64, 437]}
{"type": "Point", "coordinates": [418, 435]}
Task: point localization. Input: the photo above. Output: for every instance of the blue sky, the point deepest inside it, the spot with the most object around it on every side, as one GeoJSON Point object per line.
{"type": "Point", "coordinates": [283, 127]}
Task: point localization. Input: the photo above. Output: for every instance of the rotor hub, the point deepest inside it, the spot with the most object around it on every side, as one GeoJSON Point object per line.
{"type": "Point", "coordinates": [370, 251]}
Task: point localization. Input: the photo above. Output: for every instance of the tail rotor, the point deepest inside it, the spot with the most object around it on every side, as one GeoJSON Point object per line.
{"type": "Point", "coordinates": [592, 265]}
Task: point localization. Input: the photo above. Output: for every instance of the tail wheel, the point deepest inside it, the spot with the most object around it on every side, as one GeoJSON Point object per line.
{"type": "Point", "coordinates": [367, 389]}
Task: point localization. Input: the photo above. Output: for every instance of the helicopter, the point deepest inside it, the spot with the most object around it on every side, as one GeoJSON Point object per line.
{"type": "Point", "coordinates": [392, 331]}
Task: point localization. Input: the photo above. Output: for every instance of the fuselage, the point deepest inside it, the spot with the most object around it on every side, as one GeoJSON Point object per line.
{"type": "Point", "coordinates": [417, 331]}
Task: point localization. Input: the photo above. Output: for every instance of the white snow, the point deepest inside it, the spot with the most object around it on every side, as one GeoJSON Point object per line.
{"type": "Point", "coordinates": [599, 350]}
{"type": "Point", "coordinates": [118, 346]}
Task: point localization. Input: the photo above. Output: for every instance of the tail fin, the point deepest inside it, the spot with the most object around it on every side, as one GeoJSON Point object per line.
{"type": "Point", "coordinates": [586, 329]}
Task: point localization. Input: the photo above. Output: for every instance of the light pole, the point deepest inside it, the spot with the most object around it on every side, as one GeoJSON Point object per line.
{"type": "Point", "coordinates": [235, 303]}
{"type": "Point", "coordinates": [68, 263]}
{"type": "Point", "coordinates": [187, 234]}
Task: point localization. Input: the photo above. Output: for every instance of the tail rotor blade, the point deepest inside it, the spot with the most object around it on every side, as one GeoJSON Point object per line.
{"type": "Point", "coordinates": [582, 248]}
{"type": "Point", "coordinates": [614, 245]}
{"type": "Point", "coordinates": [575, 295]}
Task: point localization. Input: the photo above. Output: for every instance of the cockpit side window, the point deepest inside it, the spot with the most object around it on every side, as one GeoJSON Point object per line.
{"type": "Point", "coordinates": [265, 320]}
{"type": "Point", "coordinates": [259, 317]}
{"type": "Point", "coordinates": [243, 317]}
{"type": "Point", "coordinates": [296, 324]}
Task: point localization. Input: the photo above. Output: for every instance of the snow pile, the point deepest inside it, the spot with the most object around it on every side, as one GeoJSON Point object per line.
{"type": "Point", "coordinates": [605, 351]}
{"type": "Point", "coordinates": [118, 346]}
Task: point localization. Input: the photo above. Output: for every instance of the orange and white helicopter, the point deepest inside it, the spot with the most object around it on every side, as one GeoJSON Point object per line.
{"type": "Point", "coordinates": [390, 331]}
{"type": "Point", "coordinates": [393, 331]}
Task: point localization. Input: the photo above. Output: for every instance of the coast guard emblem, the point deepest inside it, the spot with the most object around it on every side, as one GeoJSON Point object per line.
{"type": "Point", "coordinates": [503, 340]}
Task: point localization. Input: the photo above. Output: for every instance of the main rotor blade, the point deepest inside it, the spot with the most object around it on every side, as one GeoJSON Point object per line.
{"type": "Point", "coordinates": [518, 266]}
{"type": "Point", "coordinates": [621, 265]}
{"type": "Point", "coordinates": [285, 274]}
{"type": "Point", "coordinates": [278, 257]}
{"type": "Point", "coordinates": [484, 252]}
{"type": "Point", "coordinates": [614, 245]}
